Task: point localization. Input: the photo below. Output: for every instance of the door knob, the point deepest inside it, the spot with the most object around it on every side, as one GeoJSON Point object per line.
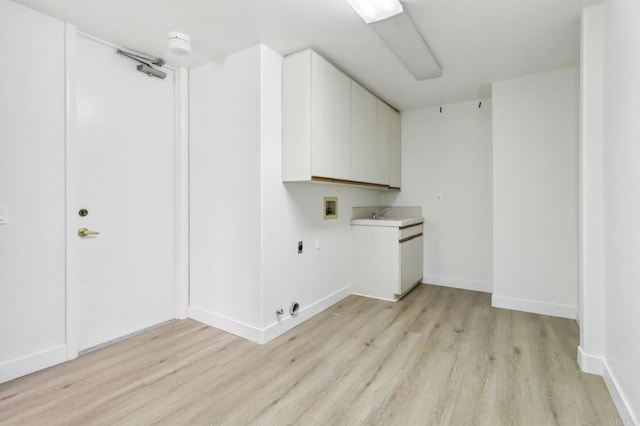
{"type": "Point", "coordinates": [84, 232]}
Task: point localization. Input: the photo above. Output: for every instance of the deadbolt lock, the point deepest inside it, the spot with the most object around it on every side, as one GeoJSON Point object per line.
{"type": "Point", "coordinates": [83, 212]}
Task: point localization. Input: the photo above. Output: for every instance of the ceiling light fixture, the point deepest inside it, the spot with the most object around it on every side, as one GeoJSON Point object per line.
{"type": "Point", "coordinates": [179, 43]}
{"type": "Point", "coordinates": [403, 38]}
{"type": "Point", "coordinates": [376, 10]}
{"type": "Point", "coordinates": [389, 20]}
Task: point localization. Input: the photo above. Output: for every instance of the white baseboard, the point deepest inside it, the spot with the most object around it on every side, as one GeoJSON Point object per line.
{"type": "Point", "coordinates": [374, 297]}
{"type": "Point", "coordinates": [19, 367]}
{"type": "Point", "coordinates": [535, 307]}
{"type": "Point", "coordinates": [598, 365]}
{"type": "Point", "coordinates": [462, 283]}
{"type": "Point", "coordinates": [591, 364]}
{"type": "Point", "coordinates": [287, 323]}
{"type": "Point", "coordinates": [225, 323]}
{"type": "Point", "coordinates": [619, 399]}
{"type": "Point", "coordinates": [264, 335]}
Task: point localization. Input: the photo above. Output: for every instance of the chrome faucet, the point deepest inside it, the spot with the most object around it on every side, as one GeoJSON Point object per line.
{"type": "Point", "coordinates": [376, 215]}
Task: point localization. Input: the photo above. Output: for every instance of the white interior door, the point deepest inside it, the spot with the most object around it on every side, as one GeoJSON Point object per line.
{"type": "Point", "coordinates": [122, 161]}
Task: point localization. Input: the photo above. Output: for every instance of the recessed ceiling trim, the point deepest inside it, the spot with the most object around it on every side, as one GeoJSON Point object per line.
{"type": "Point", "coordinates": [400, 34]}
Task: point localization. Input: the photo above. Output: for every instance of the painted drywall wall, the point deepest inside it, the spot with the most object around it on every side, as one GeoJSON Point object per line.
{"type": "Point", "coordinates": [32, 186]}
{"type": "Point", "coordinates": [449, 154]}
{"type": "Point", "coordinates": [317, 276]}
{"type": "Point", "coordinates": [535, 193]}
{"type": "Point", "coordinates": [245, 222]}
{"type": "Point", "coordinates": [293, 212]}
{"type": "Point", "coordinates": [592, 274]}
{"type": "Point", "coordinates": [621, 160]}
{"type": "Point", "coordinates": [225, 196]}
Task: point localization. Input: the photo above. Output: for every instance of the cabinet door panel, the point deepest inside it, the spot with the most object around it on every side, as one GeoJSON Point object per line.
{"type": "Point", "coordinates": [296, 117]}
{"type": "Point", "coordinates": [417, 261]}
{"type": "Point", "coordinates": [363, 138]}
{"type": "Point", "coordinates": [406, 266]}
{"type": "Point", "coordinates": [395, 151]}
{"type": "Point", "coordinates": [383, 127]}
{"type": "Point", "coordinates": [321, 117]}
{"type": "Point", "coordinates": [410, 263]}
{"type": "Point", "coordinates": [341, 126]}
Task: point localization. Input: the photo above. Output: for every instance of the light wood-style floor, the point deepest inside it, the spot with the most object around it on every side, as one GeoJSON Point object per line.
{"type": "Point", "coordinates": [439, 356]}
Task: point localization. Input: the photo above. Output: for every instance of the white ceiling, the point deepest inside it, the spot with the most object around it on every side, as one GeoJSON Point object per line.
{"type": "Point", "coordinates": [475, 41]}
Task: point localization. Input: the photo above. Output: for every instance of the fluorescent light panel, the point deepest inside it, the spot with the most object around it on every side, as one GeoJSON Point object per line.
{"type": "Point", "coordinates": [376, 10]}
{"type": "Point", "coordinates": [403, 38]}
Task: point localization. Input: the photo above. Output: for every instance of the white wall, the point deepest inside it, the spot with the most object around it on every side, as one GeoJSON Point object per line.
{"type": "Point", "coordinates": [592, 274]}
{"type": "Point", "coordinates": [535, 193]}
{"type": "Point", "coordinates": [32, 185]}
{"type": "Point", "coordinates": [293, 212]}
{"type": "Point", "coordinates": [246, 223]}
{"type": "Point", "coordinates": [449, 153]}
{"type": "Point", "coordinates": [315, 277]}
{"type": "Point", "coordinates": [622, 198]}
{"type": "Point", "coordinates": [225, 188]}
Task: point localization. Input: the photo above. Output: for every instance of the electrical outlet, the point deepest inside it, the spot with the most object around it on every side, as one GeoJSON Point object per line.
{"type": "Point", "coordinates": [300, 247]}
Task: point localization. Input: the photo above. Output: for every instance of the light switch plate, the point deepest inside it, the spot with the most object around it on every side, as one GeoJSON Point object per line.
{"type": "Point", "coordinates": [4, 215]}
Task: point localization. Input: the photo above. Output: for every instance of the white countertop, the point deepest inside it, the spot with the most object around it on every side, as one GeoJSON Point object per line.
{"type": "Point", "coordinates": [388, 221]}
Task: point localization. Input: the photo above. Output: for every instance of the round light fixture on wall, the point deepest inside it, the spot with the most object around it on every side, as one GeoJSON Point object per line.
{"type": "Point", "coordinates": [179, 43]}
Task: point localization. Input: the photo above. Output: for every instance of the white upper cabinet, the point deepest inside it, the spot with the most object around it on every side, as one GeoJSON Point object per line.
{"type": "Point", "coordinates": [321, 116]}
{"type": "Point", "coordinates": [364, 149]}
{"type": "Point", "coordinates": [316, 114]}
{"type": "Point", "coordinates": [333, 129]}
{"type": "Point", "coordinates": [296, 117]}
{"type": "Point", "coordinates": [395, 167]}
{"type": "Point", "coordinates": [341, 127]}
{"type": "Point", "coordinates": [383, 142]}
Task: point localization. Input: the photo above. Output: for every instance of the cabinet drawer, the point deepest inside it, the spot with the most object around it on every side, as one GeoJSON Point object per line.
{"type": "Point", "coordinates": [410, 231]}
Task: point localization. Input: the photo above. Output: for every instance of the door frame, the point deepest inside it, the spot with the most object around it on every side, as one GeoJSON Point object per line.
{"type": "Point", "coordinates": [181, 194]}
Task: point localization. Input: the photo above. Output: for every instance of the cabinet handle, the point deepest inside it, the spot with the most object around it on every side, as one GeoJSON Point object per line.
{"type": "Point", "coordinates": [404, 240]}
{"type": "Point", "coordinates": [410, 226]}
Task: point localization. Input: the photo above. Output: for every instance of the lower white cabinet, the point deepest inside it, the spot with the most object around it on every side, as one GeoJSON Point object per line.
{"type": "Point", "coordinates": [410, 263]}
{"type": "Point", "coordinates": [387, 260]}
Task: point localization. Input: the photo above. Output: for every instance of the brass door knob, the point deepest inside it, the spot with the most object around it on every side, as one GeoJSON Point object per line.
{"type": "Point", "coordinates": [84, 232]}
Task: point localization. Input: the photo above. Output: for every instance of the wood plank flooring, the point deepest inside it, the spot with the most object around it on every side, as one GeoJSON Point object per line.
{"type": "Point", "coordinates": [439, 356]}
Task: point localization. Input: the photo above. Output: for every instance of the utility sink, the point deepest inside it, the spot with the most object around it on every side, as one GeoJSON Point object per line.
{"type": "Point", "coordinates": [388, 221]}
